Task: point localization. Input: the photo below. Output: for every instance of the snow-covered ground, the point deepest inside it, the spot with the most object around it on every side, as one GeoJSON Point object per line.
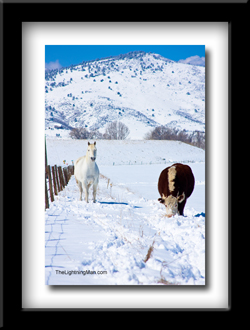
{"type": "Point", "coordinates": [108, 242]}
{"type": "Point", "coordinates": [123, 152]}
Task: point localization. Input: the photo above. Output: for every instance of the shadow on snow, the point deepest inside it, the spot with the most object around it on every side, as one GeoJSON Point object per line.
{"type": "Point", "coordinates": [116, 203]}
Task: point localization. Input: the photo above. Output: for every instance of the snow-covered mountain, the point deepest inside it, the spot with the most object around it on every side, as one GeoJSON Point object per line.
{"type": "Point", "coordinates": [142, 90]}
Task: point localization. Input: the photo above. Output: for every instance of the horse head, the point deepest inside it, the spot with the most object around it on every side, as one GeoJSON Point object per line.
{"type": "Point", "coordinates": [92, 151]}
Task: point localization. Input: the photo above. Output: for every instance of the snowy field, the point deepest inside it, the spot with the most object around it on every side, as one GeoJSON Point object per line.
{"type": "Point", "coordinates": [107, 243]}
{"type": "Point", "coordinates": [123, 152]}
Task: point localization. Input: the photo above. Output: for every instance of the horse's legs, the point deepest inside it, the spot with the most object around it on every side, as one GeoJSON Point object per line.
{"type": "Point", "coordinates": [80, 188]}
{"type": "Point", "coordinates": [86, 190]}
{"type": "Point", "coordinates": [94, 192]}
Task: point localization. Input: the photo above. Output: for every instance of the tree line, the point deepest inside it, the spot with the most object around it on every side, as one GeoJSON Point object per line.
{"type": "Point", "coordinates": [116, 130]}
{"type": "Point", "coordinates": [196, 138]}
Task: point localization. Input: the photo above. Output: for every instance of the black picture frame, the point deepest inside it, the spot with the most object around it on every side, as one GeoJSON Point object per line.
{"type": "Point", "coordinates": [11, 17]}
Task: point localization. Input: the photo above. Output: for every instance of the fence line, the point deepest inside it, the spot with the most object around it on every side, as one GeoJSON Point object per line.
{"type": "Point", "coordinates": [56, 178]}
{"type": "Point", "coordinates": [141, 162]}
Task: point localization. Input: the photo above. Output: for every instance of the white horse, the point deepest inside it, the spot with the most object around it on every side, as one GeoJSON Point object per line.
{"type": "Point", "coordinates": [87, 172]}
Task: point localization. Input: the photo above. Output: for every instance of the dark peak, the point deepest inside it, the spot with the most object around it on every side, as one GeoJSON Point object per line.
{"type": "Point", "coordinates": [129, 55]}
{"type": "Point", "coordinates": [134, 54]}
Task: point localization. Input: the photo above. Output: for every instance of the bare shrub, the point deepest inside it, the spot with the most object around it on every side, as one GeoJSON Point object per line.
{"type": "Point", "coordinates": [116, 131]}
{"type": "Point", "coordinates": [79, 133]}
{"type": "Point", "coordinates": [83, 133]}
{"type": "Point", "coordinates": [165, 133]}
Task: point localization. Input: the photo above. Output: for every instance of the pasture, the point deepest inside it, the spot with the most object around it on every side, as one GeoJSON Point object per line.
{"type": "Point", "coordinates": [125, 237]}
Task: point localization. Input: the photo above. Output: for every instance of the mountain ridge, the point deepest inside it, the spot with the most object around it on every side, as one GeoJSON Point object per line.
{"type": "Point", "coordinates": [143, 90]}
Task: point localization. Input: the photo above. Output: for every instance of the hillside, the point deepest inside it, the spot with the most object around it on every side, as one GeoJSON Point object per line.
{"type": "Point", "coordinates": [142, 90]}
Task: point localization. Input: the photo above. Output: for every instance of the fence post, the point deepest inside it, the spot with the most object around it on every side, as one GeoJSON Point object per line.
{"type": "Point", "coordinates": [65, 170]}
{"type": "Point", "coordinates": [61, 177]}
{"type": "Point", "coordinates": [57, 179]}
{"type": "Point", "coordinates": [64, 178]}
{"type": "Point", "coordinates": [46, 190]}
{"type": "Point", "coordinates": [54, 180]}
{"type": "Point", "coordinates": [71, 170]}
{"type": "Point", "coordinates": [46, 194]}
{"type": "Point", "coordinates": [50, 184]}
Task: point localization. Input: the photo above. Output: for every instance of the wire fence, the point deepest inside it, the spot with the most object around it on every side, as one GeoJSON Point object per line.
{"type": "Point", "coordinates": [56, 178]}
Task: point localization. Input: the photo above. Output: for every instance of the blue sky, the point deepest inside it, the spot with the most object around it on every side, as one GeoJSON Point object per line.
{"type": "Point", "coordinates": [65, 55]}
